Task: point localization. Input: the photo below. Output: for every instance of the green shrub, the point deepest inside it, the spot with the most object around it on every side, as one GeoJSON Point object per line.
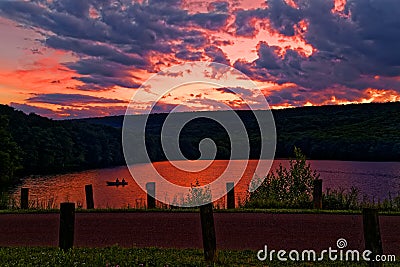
{"type": "Point", "coordinates": [284, 188]}
{"type": "Point", "coordinates": [341, 199]}
{"type": "Point", "coordinates": [198, 195]}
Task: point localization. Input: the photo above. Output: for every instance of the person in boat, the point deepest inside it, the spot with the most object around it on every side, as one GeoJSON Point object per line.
{"type": "Point", "coordinates": [123, 180]}
{"type": "Point", "coordinates": [117, 181]}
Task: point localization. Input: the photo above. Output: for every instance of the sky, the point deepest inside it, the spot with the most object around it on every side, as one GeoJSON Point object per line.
{"type": "Point", "coordinates": [75, 59]}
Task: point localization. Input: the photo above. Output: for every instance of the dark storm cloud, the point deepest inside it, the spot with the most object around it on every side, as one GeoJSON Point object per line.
{"type": "Point", "coordinates": [171, 74]}
{"type": "Point", "coordinates": [212, 21]}
{"type": "Point", "coordinates": [283, 17]}
{"type": "Point", "coordinates": [244, 92]}
{"type": "Point", "coordinates": [363, 44]}
{"type": "Point", "coordinates": [120, 32]}
{"type": "Point", "coordinates": [195, 39]}
{"type": "Point", "coordinates": [71, 99]}
{"type": "Point", "coordinates": [98, 82]}
{"type": "Point", "coordinates": [32, 109]}
{"type": "Point", "coordinates": [219, 6]}
{"type": "Point", "coordinates": [207, 103]}
{"type": "Point", "coordinates": [99, 67]}
{"type": "Point", "coordinates": [189, 55]}
{"type": "Point", "coordinates": [162, 107]}
{"type": "Point", "coordinates": [217, 55]}
{"type": "Point", "coordinates": [242, 20]}
{"type": "Point", "coordinates": [51, 18]}
{"type": "Point", "coordinates": [102, 74]}
{"type": "Point", "coordinates": [67, 112]}
{"type": "Point", "coordinates": [88, 112]}
{"type": "Point", "coordinates": [297, 96]}
{"type": "Point", "coordinates": [351, 48]}
{"type": "Point", "coordinates": [114, 38]}
{"type": "Point", "coordinates": [96, 50]}
{"type": "Point", "coordinates": [267, 57]}
{"type": "Point", "coordinates": [292, 96]}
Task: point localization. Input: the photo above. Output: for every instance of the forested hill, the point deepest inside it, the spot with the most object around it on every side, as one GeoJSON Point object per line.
{"type": "Point", "coordinates": [367, 132]}
{"type": "Point", "coordinates": [30, 144]}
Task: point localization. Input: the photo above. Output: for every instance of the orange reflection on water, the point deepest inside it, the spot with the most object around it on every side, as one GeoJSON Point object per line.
{"type": "Point", "coordinates": [51, 190]}
{"type": "Point", "coordinates": [204, 176]}
{"type": "Point", "coordinates": [374, 179]}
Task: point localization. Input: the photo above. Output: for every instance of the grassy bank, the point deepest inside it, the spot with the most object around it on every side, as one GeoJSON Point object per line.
{"type": "Point", "coordinates": [116, 256]}
{"type": "Point", "coordinates": [193, 210]}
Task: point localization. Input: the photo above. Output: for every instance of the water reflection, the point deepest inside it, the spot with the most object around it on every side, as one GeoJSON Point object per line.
{"type": "Point", "coordinates": [372, 178]}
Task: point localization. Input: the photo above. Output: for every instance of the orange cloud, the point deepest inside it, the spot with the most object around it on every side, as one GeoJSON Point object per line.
{"type": "Point", "coordinates": [339, 98]}
{"type": "Point", "coordinates": [43, 76]}
{"type": "Point", "coordinates": [291, 3]}
{"type": "Point", "coordinates": [339, 6]}
{"type": "Point", "coordinates": [206, 5]}
{"type": "Point", "coordinates": [245, 47]}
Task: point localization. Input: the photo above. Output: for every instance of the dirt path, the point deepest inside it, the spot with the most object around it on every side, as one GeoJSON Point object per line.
{"type": "Point", "coordinates": [182, 230]}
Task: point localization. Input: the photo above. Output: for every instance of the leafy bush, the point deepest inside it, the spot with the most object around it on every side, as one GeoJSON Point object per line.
{"type": "Point", "coordinates": [285, 188]}
{"type": "Point", "coordinates": [292, 188]}
{"type": "Point", "coordinates": [4, 199]}
{"type": "Point", "coordinates": [341, 199]}
{"type": "Point", "coordinates": [198, 195]}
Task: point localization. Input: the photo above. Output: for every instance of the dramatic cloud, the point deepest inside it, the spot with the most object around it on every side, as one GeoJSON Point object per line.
{"type": "Point", "coordinates": [119, 36]}
{"type": "Point", "coordinates": [107, 52]}
{"type": "Point", "coordinates": [217, 55]}
{"type": "Point", "coordinates": [299, 52]}
{"type": "Point", "coordinates": [65, 112]}
{"type": "Point", "coordinates": [245, 21]}
{"type": "Point", "coordinates": [71, 99]}
{"type": "Point", "coordinates": [352, 48]}
{"type": "Point", "coordinates": [162, 107]}
{"type": "Point", "coordinates": [46, 112]}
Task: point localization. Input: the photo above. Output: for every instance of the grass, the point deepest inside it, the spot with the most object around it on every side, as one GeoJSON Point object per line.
{"type": "Point", "coordinates": [193, 210]}
{"type": "Point", "coordinates": [117, 256]}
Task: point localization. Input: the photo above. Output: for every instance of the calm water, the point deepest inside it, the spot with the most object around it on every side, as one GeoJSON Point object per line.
{"type": "Point", "coordinates": [375, 179]}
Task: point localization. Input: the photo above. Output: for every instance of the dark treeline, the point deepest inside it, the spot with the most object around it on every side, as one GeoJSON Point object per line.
{"type": "Point", "coordinates": [364, 132]}
{"type": "Point", "coordinates": [30, 144]}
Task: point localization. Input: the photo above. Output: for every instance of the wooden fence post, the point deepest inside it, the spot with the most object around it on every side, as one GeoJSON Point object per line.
{"type": "Point", "coordinates": [24, 198]}
{"type": "Point", "coordinates": [372, 234]}
{"type": "Point", "coordinates": [208, 232]}
{"type": "Point", "coordinates": [151, 193]}
{"type": "Point", "coordinates": [89, 196]}
{"type": "Point", "coordinates": [230, 197]}
{"type": "Point", "coordinates": [317, 194]}
{"type": "Point", "coordinates": [67, 225]}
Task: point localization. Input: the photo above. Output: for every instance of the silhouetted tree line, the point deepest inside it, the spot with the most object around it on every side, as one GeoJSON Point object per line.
{"type": "Point", "coordinates": [30, 144]}
{"type": "Point", "coordinates": [364, 132]}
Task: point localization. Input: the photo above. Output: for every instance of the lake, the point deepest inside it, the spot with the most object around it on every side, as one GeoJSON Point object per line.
{"type": "Point", "coordinates": [374, 179]}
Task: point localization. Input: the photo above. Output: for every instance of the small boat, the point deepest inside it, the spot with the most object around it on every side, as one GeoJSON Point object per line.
{"type": "Point", "coordinates": [114, 183]}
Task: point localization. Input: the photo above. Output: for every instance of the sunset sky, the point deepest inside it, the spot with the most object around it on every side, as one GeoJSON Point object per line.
{"type": "Point", "coordinates": [85, 58]}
